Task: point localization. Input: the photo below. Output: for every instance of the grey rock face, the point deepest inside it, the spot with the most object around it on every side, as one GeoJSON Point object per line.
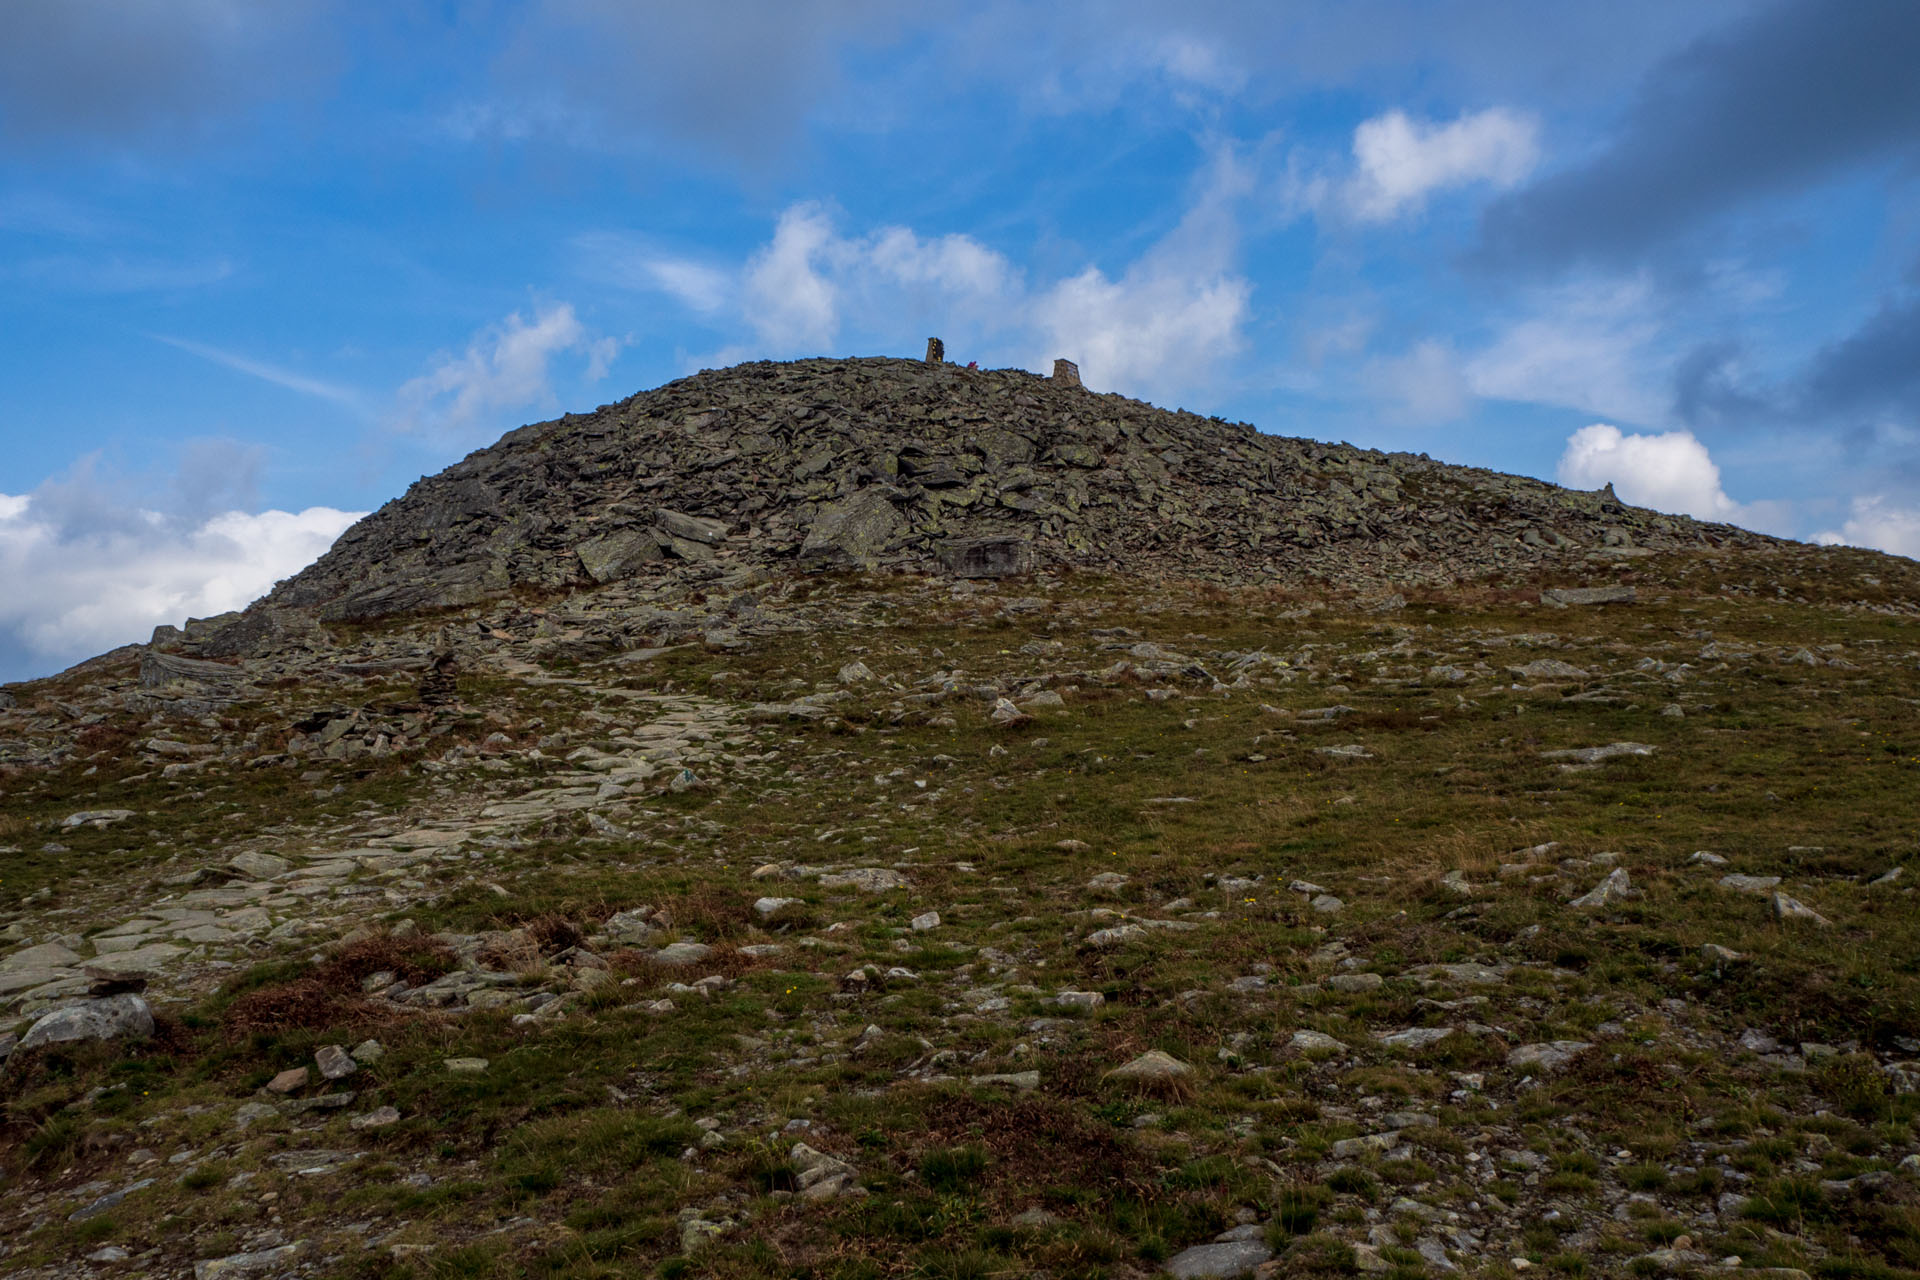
{"type": "Point", "coordinates": [160, 669]}
{"type": "Point", "coordinates": [95, 1208]}
{"type": "Point", "coordinates": [853, 534]}
{"type": "Point", "coordinates": [822, 1176]}
{"type": "Point", "coordinates": [123, 1017]}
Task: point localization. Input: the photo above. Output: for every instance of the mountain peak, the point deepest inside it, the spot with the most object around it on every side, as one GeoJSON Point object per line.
{"type": "Point", "coordinates": [879, 463]}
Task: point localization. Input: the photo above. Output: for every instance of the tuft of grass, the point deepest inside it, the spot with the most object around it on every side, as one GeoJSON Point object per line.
{"type": "Point", "coordinates": [1351, 1181]}
{"type": "Point", "coordinates": [952, 1168]}
{"type": "Point", "coordinates": [1787, 1202]}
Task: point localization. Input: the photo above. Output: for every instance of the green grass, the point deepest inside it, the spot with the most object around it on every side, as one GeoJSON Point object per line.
{"type": "Point", "coordinates": [580, 1122]}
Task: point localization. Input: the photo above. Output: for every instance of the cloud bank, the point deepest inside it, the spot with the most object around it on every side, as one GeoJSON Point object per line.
{"type": "Point", "coordinates": [1792, 95]}
{"type": "Point", "coordinates": [116, 70]}
{"type": "Point", "coordinates": [74, 583]}
{"type": "Point", "coordinates": [1167, 318]}
{"type": "Point", "coordinates": [1878, 523]}
{"type": "Point", "coordinates": [1670, 472]}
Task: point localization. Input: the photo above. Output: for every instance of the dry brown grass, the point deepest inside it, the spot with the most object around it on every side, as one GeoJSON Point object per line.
{"type": "Point", "coordinates": [306, 1003]}
{"type": "Point", "coordinates": [713, 913]}
{"type": "Point", "coordinates": [330, 995]}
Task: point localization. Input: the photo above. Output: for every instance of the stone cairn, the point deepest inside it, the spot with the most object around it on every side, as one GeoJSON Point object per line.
{"type": "Point", "coordinates": [1066, 373]}
{"type": "Point", "coordinates": [437, 686]}
{"type": "Point", "coordinates": [936, 351]}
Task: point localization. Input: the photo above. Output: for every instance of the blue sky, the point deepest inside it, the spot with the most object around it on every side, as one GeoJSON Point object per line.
{"type": "Point", "coordinates": [263, 265]}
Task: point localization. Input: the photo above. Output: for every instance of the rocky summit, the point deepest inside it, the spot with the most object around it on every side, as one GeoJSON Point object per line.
{"type": "Point", "coordinates": [876, 818]}
{"type": "Point", "coordinates": [897, 464]}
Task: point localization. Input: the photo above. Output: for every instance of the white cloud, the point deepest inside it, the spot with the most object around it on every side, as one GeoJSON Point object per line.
{"type": "Point", "coordinates": [1671, 472]}
{"type": "Point", "coordinates": [697, 285]}
{"type": "Point", "coordinates": [1161, 323]}
{"type": "Point", "coordinates": [1145, 326]}
{"type": "Point", "coordinates": [1399, 161]}
{"type": "Point", "coordinates": [1590, 346]}
{"type": "Point", "coordinates": [789, 302]}
{"type": "Point", "coordinates": [799, 289]}
{"type": "Point", "coordinates": [505, 368]}
{"type": "Point", "coordinates": [1174, 313]}
{"type": "Point", "coordinates": [69, 591]}
{"type": "Point", "coordinates": [1875, 522]}
{"type": "Point", "coordinates": [638, 262]}
{"type": "Point", "coordinates": [1189, 59]}
{"type": "Point", "coordinates": [1425, 385]}
{"type": "Point", "coordinates": [955, 264]}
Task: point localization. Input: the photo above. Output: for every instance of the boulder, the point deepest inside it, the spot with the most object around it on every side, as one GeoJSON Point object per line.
{"type": "Point", "coordinates": [821, 1176]}
{"type": "Point", "coordinates": [260, 1262]}
{"type": "Point", "coordinates": [1787, 908]}
{"type": "Point", "coordinates": [292, 1080]}
{"type": "Point", "coordinates": [1548, 669]}
{"type": "Point", "coordinates": [865, 879]}
{"type": "Point", "coordinates": [1002, 557]}
{"type": "Point", "coordinates": [1315, 1042]}
{"type": "Point", "coordinates": [1151, 1067]}
{"type": "Point", "coordinates": [95, 818]}
{"type": "Point", "coordinates": [1617, 887]}
{"type": "Point", "coordinates": [157, 670]}
{"type": "Point", "coordinates": [1598, 755]}
{"type": "Point", "coordinates": [690, 528]}
{"type": "Point", "coordinates": [122, 1017]}
{"type": "Point", "coordinates": [678, 955]}
{"type": "Point", "coordinates": [1564, 596]}
{"type": "Point", "coordinates": [852, 534]}
{"type": "Point", "coordinates": [335, 1062]}
{"type": "Point", "coordinates": [261, 866]}
{"type": "Point", "coordinates": [1224, 1259]}
{"type": "Point", "coordinates": [1546, 1057]}
{"type": "Point", "coordinates": [619, 555]}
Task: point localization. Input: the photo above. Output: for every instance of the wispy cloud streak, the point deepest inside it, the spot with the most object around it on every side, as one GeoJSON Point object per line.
{"type": "Point", "coordinates": [279, 377]}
